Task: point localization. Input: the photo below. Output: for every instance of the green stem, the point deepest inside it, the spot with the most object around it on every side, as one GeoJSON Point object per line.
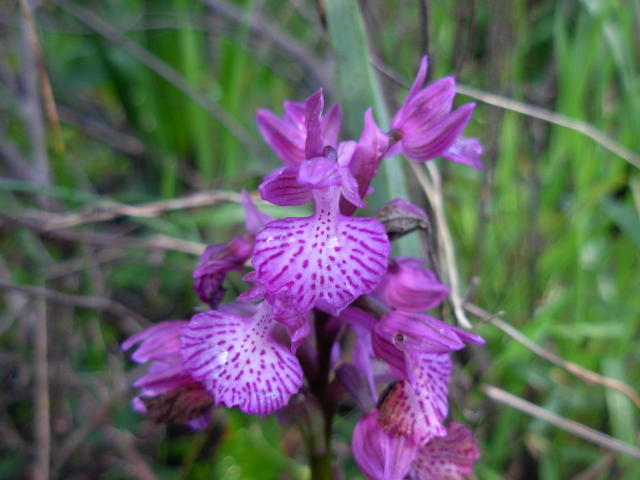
{"type": "Point", "coordinates": [320, 458]}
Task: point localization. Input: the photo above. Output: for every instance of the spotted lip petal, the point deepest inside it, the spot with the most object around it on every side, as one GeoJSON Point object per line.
{"type": "Point", "coordinates": [239, 361]}
{"type": "Point", "coordinates": [419, 415]}
{"type": "Point", "coordinates": [326, 257]}
{"type": "Point", "coordinates": [446, 458]}
{"type": "Point", "coordinates": [380, 455]}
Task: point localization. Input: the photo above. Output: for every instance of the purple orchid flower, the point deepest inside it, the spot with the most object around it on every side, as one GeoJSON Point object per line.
{"type": "Point", "coordinates": [321, 277]}
{"type": "Point", "coordinates": [327, 259]}
{"type": "Point", "coordinates": [160, 344]}
{"type": "Point", "coordinates": [425, 127]}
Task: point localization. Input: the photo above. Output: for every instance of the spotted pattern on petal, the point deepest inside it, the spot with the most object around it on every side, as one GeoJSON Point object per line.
{"type": "Point", "coordinates": [239, 361]}
{"type": "Point", "coordinates": [326, 257]}
{"type": "Point", "coordinates": [447, 458]}
{"type": "Point", "coordinates": [419, 414]}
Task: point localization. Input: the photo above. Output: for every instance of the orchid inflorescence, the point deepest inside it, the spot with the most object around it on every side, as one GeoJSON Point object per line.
{"type": "Point", "coordinates": [319, 279]}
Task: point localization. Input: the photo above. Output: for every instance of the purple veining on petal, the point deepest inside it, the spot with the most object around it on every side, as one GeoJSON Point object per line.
{"type": "Point", "coordinates": [239, 361]}
{"type": "Point", "coordinates": [380, 455]}
{"type": "Point", "coordinates": [446, 458]}
{"type": "Point", "coordinates": [425, 142]}
{"type": "Point", "coordinates": [156, 340]}
{"type": "Point", "coordinates": [409, 286]}
{"type": "Point", "coordinates": [160, 344]}
{"type": "Point", "coordinates": [331, 125]}
{"type": "Point", "coordinates": [326, 257]}
{"type": "Point", "coordinates": [281, 187]}
{"type": "Point", "coordinates": [419, 414]}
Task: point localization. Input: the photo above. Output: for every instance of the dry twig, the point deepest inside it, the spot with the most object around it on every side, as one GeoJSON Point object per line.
{"type": "Point", "coordinates": [136, 321]}
{"type": "Point", "coordinates": [565, 424]}
{"type": "Point", "coordinates": [110, 210]}
{"type": "Point", "coordinates": [582, 373]}
{"type": "Point", "coordinates": [433, 191]}
{"type": "Point", "coordinates": [557, 119]}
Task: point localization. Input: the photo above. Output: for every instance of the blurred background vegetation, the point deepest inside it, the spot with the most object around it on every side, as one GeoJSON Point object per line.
{"type": "Point", "coordinates": [145, 101]}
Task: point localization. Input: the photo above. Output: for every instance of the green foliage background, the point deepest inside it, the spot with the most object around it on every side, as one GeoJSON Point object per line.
{"type": "Point", "coordinates": [550, 227]}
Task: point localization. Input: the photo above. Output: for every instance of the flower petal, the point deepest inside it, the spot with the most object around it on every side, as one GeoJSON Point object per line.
{"type": "Point", "coordinates": [409, 286]}
{"type": "Point", "coordinates": [465, 150]}
{"type": "Point", "coordinates": [326, 256]}
{"type": "Point", "coordinates": [314, 143]}
{"type": "Point", "coordinates": [319, 172]}
{"type": "Point", "coordinates": [284, 137]}
{"type": "Point", "coordinates": [281, 187]}
{"type": "Point", "coordinates": [446, 458]}
{"type": "Point", "coordinates": [380, 455]}
{"type": "Point", "coordinates": [254, 219]}
{"type": "Point", "coordinates": [239, 361]}
{"type": "Point", "coordinates": [419, 414]}
{"type": "Point", "coordinates": [158, 341]}
{"type": "Point", "coordinates": [366, 159]}
{"type": "Point", "coordinates": [331, 125]}
{"type": "Point", "coordinates": [213, 266]}
{"type": "Point", "coordinates": [434, 139]}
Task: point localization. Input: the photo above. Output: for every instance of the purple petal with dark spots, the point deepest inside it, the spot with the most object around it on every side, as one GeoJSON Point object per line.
{"type": "Point", "coordinates": [239, 361]}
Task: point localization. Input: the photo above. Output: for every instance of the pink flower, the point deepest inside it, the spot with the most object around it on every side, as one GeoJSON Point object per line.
{"type": "Point", "coordinates": [426, 128]}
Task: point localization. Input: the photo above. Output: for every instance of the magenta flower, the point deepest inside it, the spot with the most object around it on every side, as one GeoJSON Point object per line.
{"type": "Point", "coordinates": [160, 344]}
{"type": "Point", "coordinates": [409, 286]}
{"type": "Point", "coordinates": [426, 128]}
{"type": "Point", "coordinates": [239, 361]}
{"type": "Point", "coordinates": [318, 277]}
